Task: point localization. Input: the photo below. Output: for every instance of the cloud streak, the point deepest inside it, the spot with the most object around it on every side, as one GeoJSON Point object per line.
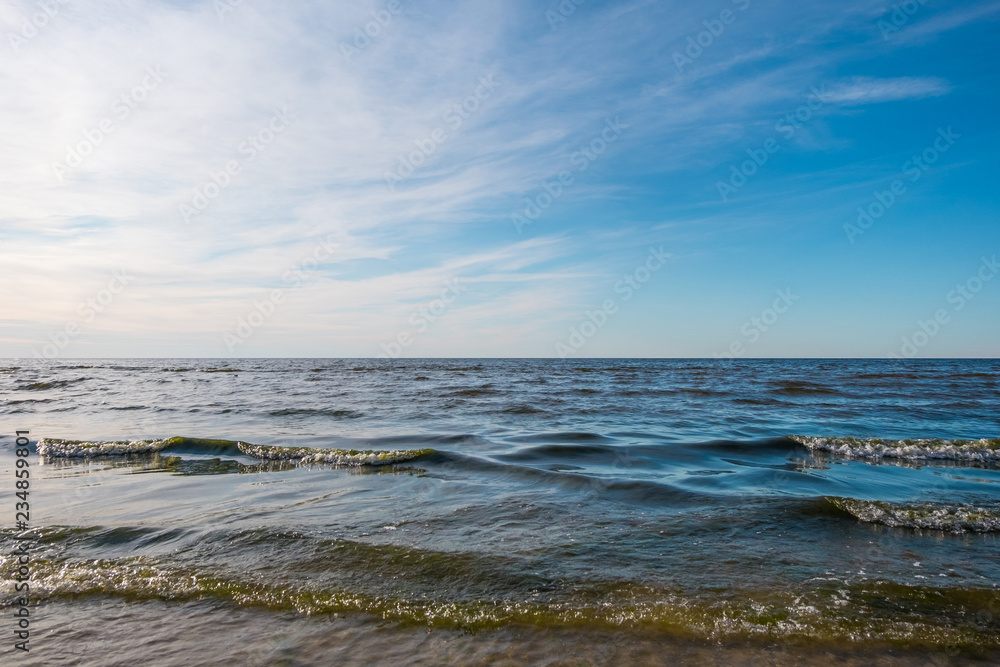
{"type": "Point", "coordinates": [869, 90]}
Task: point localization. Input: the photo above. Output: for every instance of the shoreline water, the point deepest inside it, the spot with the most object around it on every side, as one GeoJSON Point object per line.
{"type": "Point", "coordinates": [105, 632]}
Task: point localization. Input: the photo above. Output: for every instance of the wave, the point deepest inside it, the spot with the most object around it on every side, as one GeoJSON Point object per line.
{"type": "Point", "coordinates": [338, 457]}
{"type": "Point", "coordinates": [891, 376]}
{"type": "Point", "coordinates": [537, 468]}
{"type": "Point", "coordinates": [339, 414]}
{"type": "Point", "coordinates": [54, 384]}
{"type": "Point", "coordinates": [571, 436]}
{"type": "Point", "coordinates": [545, 453]}
{"type": "Point", "coordinates": [960, 518]}
{"type": "Point", "coordinates": [691, 391]}
{"type": "Point", "coordinates": [521, 409]}
{"type": "Point", "coordinates": [759, 401]}
{"type": "Point", "coordinates": [57, 448]}
{"type": "Point", "coordinates": [477, 592]}
{"type": "Point", "coordinates": [793, 388]}
{"type": "Point", "coordinates": [473, 392]}
{"type": "Point", "coordinates": [977, 451]}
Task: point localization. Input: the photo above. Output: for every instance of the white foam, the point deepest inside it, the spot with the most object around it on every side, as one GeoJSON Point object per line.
{"type": "Point", "coordinates": [338, 457]}
{"type": "Point", "coordinates": [56, 448]}
{"type": "Point", "coordinates": [980, 451]}
{"type": "Point", "coordinates": [79, 448]}
{"type": "Point", "coordinates": [958, 518]}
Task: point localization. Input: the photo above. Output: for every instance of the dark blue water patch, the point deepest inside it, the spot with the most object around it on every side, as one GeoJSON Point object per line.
{"type": "Point", "coordinates": [52, 384]}
{"type": "Point", "coordinates": [642, 436]}
{"type": "Point", "coordinates": [781, 446]}
{"type": "Point", "coordinates": [562, 437]}
{"type": "Point", "coordinates": [630, 491]}
{"type": "Point", "coordinates": [758, 401]}
{"type": "Point", "coordinates": [700, 392]}
{"type": "Point", "coordinates": [543, 453]}
{"type": "Point", "coordinates": [316, 412]}
{"type": "Point", "coordinates": [471, 392]}
{"type": "Point", "coordinates": [801, 388]}
{"type": "Point", "coordinates": [890, 376]}
{"type": "Point", "coordinates": [522, 409]}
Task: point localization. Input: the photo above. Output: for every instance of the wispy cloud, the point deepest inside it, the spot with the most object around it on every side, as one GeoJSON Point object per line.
{"type": "Point", "coordinates": [869, 90]}
{"type": "Point", "coordinates": [944, 22]}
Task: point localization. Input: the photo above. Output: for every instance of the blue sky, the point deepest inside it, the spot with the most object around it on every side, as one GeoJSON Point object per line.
{"type": "Point", "coordinates": [272, 181]}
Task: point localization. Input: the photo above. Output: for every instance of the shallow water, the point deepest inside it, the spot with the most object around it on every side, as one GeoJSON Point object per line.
{"type": "Point", "coordinates": [588, 510]}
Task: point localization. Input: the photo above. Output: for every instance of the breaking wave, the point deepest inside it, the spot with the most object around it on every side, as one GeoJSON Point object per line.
{"type": "Point", "coordinates": [958, 518]}
{"type": "Point", "coordinates": [337, 457]}
{"type": "Point", "coordinates": [476, 593]}
{"type": "Point", "coordinates": [57, 448]}
{"type": "Point", "coordinates": [978, 451]}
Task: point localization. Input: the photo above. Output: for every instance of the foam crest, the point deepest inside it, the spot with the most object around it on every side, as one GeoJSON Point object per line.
{"type": "Point", "coordinates": [975, 451]}
{"type": "Point", "coordinates": [57, 448]}
{"type": "Point", "coordinates": [958, 518]}
{"type": "Point", "coordinates": [338, 457]}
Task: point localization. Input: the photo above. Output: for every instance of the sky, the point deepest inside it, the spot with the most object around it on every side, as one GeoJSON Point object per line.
{"type": "Point", "coordinates": [414, 178]}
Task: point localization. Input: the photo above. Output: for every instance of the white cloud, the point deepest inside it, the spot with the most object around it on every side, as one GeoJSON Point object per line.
{"type": "Point", "coordinates": [869, 90]}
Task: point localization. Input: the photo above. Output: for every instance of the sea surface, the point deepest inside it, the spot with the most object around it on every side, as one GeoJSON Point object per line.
{"type": "Point", "coordinates": [519, 511]}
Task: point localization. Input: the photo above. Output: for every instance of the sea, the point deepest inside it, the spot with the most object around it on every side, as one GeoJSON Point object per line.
{"type": "Point", "coordinates": [500, 511]}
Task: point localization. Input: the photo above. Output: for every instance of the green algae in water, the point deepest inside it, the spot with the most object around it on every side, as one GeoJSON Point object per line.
{"type": "Point", "coordinates": [873, 612]}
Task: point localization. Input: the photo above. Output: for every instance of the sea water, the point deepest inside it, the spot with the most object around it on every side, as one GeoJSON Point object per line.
{"type": "Point", "coordinates": [317, 511]}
